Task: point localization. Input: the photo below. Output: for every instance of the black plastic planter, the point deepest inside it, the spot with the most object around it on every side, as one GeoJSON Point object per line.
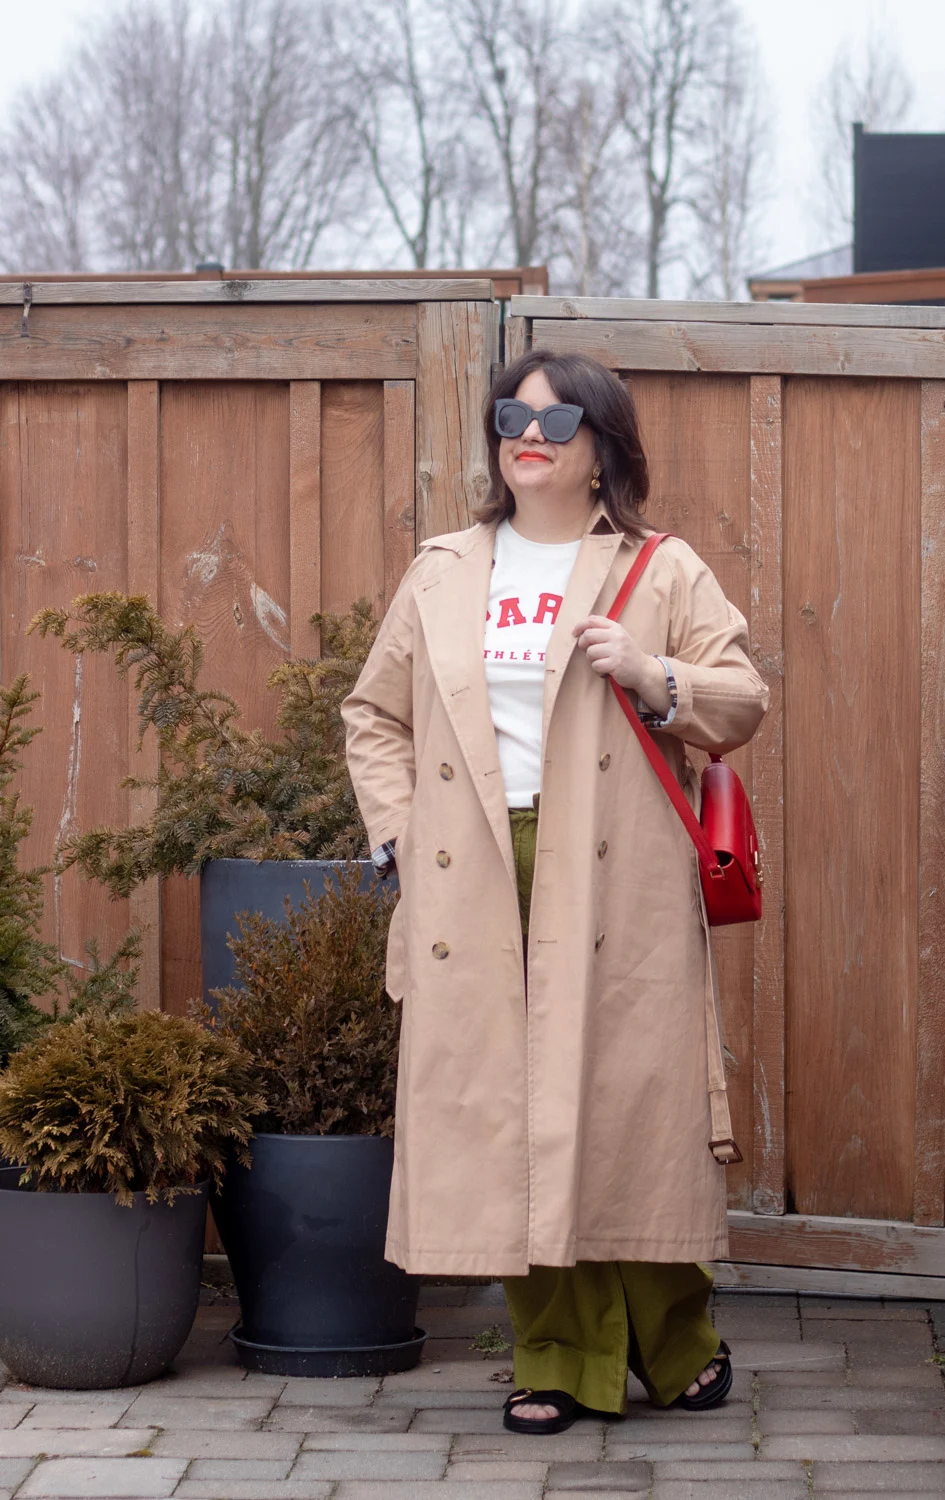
{"type": "Point", "coordinates": [93, 1295]}
{"type": "Point", "coordinates": [304, 1231]}
{"type": "Point", "coordinates": [229, 886]}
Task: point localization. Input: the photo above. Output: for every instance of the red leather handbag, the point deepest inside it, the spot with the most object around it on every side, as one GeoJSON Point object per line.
{"type": "Point", "coordinates": [726, 841]}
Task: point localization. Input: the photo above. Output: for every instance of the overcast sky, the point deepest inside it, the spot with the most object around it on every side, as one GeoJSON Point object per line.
{"type": "Point", "coordinates": [797, 39]}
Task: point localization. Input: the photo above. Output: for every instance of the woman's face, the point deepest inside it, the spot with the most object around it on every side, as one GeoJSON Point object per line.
{"type": "Point", "coordinates": [531, 465]}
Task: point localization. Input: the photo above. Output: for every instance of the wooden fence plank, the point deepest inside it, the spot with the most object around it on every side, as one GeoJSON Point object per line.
{"type": "Point", "coordinates": [144, 508]}
{"type": "Point", "coordinates": [457, 344]}
{"type": "Point", "coordinates": [767, 647]}
{"type": "Point", "coordinates": [400, 511]}
{"type": "Point", "coordinates": [252, 342]}
{"type": "Point", "coordinates": [619, 309]}
{"type": "Point", "coordinates": [818, 1281]}
{"type": "Point", "coordinates": [352, 494]}
{"type": "Point", "coordinates": [75, 293]}
{"type": "Point", "coordinates": [225, 535]}
{"type": "Point", "coordinates": [903, 353]}
{"type": "Point", "coordinates": [63, 532]}
{"type": "Point", "coordinates": [701, 491]}
{"type": "Point", "coordinates": [806, 1240]}
{"type": "Point", "coordinates": [305, 513]}
{"type": "Point", "coordinates": [851, 756]}
{"type": "Point", "coordinates": [930, 1050]}
{"type": "Point", "coordinates": [518, 335]}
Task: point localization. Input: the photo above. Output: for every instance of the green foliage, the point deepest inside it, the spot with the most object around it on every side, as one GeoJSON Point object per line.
{"type": "Point", "coordinates": [126, 1102]}
{"type": "Point", "coordinates": [491, 1341]}
{"type": "Point", "coordinates": [313, 1013]}
{"type": "Point", "coordinates": [223, 792]}
{"type": "Point", "coordinates": [107, 986]}
{"type": "Point", "coordinates": [28, 967]}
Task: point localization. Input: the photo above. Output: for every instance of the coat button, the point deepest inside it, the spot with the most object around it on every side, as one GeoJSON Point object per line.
{"type": "Point", "coordinates": [598, 941]}
{"type": "Point", "coordinates": [441, 950]}
{"type": "Point", "coordinates": [602, 849]}
{"type": "Point", "coordinates": [446, 772]}
{"type": "Point", "coordinates": [442, 858]}
{"type": "Point", "coordinates": [604, 762]}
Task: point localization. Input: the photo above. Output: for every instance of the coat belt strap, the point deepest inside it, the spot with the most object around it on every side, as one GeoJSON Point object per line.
{"type": "Point", "coordinates": [722, 1142]}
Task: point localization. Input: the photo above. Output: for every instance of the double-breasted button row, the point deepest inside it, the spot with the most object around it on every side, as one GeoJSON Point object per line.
{"type": "Point", "coordinates": [602, 849]}
{"type": "Point", "coordinates": [446, 772]}
{"type": "Point", "coordinates": [441, 950]}
{"type": "Point", "coordinates": [442, 858]}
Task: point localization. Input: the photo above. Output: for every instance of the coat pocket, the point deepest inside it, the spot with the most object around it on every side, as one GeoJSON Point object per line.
{"type": "Point", "coordinates": [396, 980]}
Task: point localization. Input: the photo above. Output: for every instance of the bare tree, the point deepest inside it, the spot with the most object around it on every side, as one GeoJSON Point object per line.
{"type": "Point", "coordinates": [49, 152]}
{"type": "Point", "coordinates": [670, 52]}
{"type": "Point", "coordinates": [262, 131]}
{"type": "Point", "coordinates": [405, 64]}
{"type": "Point", "coordinates": [594, 241]}
{"type": "Point", "coordinates": [284, 127]}
{"type": "Point", "coordinates": [148, 73]}
{"type": "Point", "coordinates": [869, 86]}
{"type": "Point", "coordinates": [731, 169]}
{"type": "Point", "coordinates": [220, 130]}
{"type": "Point", "coordinates": [516, 61]}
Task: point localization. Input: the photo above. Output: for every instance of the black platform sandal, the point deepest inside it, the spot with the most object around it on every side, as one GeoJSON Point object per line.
{"type": "Point", "coordinates": [567, 1408]}
{"type": "Point", "coordinates": [716, 1391]}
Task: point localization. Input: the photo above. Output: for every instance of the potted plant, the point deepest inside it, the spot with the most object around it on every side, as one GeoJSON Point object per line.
{"type": "Point", "coordinates": [265, 823]}
{"type": "Point", "coordinates": [256, 818]}
{"type": "Point", "coordinates": [304, 1230]}
{"type": "Point", "coordinates": [118, 1120]}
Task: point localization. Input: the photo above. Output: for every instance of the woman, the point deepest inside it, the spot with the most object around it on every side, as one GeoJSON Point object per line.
{"type": "Point", "coordinates": [557, 1132]}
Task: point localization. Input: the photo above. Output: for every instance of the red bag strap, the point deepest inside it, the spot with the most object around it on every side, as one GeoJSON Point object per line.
{"type": "Point", "coordinates": [633, 576]}
{"type": "Point", "coordinates": [673, 790]}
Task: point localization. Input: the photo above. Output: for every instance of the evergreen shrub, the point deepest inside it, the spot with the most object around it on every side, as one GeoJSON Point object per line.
{"type": "Point", "coordinates": [313, 1013]}
{"type": "Point", "coordinates": [223, 791]}
{"type": "Point", "coordinates": [126, 1102]}
{"type": "Point", "coordinates": [29, 968]}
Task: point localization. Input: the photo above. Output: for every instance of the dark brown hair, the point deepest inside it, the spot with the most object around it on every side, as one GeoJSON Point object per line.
{"type": "Point", "coordinates": [610, 413]}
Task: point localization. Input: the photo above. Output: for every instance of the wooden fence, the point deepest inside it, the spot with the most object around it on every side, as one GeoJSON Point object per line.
{"type": "Point", "coordinates": [801, 450]}
{"type": "Point", "coordinates": [245, 453]}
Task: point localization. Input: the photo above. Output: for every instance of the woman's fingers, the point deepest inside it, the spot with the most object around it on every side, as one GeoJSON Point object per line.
{"type": "Point", "coordinates": [592, 622]}
{"type": "Point", "coordinates": [602, 659]}
{"type": "Point", "coordinates": [595, 637]}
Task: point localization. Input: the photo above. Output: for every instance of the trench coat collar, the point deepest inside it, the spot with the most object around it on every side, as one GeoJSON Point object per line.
{"type": "Point", "coordinates": [452, 603]}
{"type": "Point", "coordinates": [599, 547]}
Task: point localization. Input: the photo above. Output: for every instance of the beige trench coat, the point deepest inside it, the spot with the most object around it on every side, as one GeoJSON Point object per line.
{"type": "Point", "coordinates": [576, 1126]}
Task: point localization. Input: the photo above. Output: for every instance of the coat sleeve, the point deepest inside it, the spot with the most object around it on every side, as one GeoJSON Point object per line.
{"type": "Point", "coordinates": [721, 698]}
{"type": "Point", "coordinates": [378, 718]}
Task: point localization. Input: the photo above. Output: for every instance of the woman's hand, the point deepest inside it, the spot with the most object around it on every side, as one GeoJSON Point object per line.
{"type": "Point", "coordinates": [613, 653]}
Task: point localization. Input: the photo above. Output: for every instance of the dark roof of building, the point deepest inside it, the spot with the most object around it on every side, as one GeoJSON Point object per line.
{"type": "Point", "coordinates": [838, 262]}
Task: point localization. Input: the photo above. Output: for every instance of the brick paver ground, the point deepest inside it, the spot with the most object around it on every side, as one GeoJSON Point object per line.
{"type": "Point", "coordinates": [831, 1398]}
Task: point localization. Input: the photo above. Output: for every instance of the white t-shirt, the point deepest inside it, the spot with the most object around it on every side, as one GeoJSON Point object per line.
{"type": "Point", "coordinates": [528, 584]}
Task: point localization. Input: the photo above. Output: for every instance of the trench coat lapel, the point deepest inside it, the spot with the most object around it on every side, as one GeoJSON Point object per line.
{"type": "Point", "coordinates": [594, 562]}
{"type": "Point", "coordinates": [452, 609]}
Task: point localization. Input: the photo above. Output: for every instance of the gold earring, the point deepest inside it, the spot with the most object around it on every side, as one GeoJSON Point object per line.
{"type": "Point", "coordinates": [595, 477]}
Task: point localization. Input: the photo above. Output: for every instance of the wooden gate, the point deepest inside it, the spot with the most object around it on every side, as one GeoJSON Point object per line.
{"type": "Point", "coordinates": [801, 450]}
{"type": "Point", "coordinates": [243, 452]}
{"type": "Point", "coordinates": [247, 452]}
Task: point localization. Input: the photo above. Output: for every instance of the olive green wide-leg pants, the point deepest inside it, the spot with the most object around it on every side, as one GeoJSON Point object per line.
{"type": "Point", "coordinates": [578, 1328]}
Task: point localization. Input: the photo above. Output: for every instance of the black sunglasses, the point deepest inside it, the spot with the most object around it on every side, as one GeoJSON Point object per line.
{"type": "Point", "coordinates": [557, 423]}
